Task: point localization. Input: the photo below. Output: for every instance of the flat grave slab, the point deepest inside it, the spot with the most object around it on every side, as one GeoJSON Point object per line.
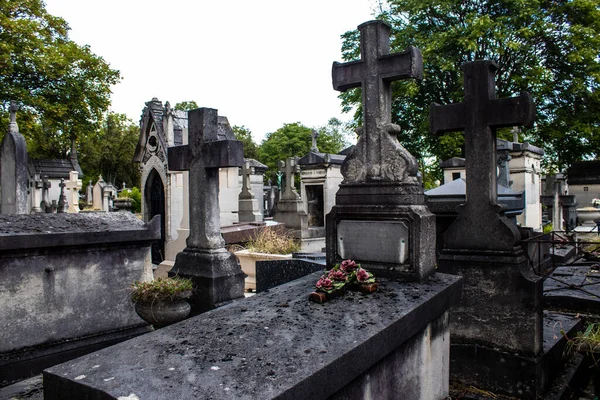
{"type": "Point", "coordinates": [574, 288]}
{"type": "Point", "coordinates": [276, 344]}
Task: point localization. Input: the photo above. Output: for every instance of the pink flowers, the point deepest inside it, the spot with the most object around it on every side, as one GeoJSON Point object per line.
{"type": "Point", "coordinates": [348, 266]}
{"type": "Point", "coordinates": [362, 275]}
{"type": "Point", "coordinates": [346, 275]}
{"type": "Point", "coordinates": [324, 284]}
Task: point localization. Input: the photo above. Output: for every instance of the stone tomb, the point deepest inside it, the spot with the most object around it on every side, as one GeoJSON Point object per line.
{"type": "Point", "coordinates": [290, 208]}
{"type": "Point", "coordinates": [14, 175]}
{"type": "Point", "coordinates": [279, 345]}
{"type": "Point", "coordinates": [380, 219]}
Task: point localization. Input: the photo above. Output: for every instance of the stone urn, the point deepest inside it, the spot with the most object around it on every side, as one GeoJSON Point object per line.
{"type": "Point", "coordinates": [588, 215]}
{"type": "Point", "coordinates": [161, 313]}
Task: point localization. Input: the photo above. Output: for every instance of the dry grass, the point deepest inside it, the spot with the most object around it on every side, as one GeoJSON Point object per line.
{"type": "Point", "coordinates": [273, 241]}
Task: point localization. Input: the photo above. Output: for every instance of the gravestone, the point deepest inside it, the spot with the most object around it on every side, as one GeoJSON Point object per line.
{"type": "Point", "coordinates": [216, 274]}
{"type": "Point", "coordinates": [74, 185]}
{"type": "Point", "coordinates": [14, 175]}
{"type": "Point", "coordinates": [98, 196]}
{"type": "Point", "coordinates": [46, 205]}
{"type": "Point", "coordinates": [380, 219]}
{"type": "Point", "coordinates": [249, 210]}
{"type": "Point", "coordinates": [89, 194]}
{"type": "Point", "coordinates": [290, 208]}
{"type": "Point", "coordinates": [62, 198]}
{"type": "Point", "coordinates": [499, 315]}
{"type": "Point", "coordinates": [36, 201]}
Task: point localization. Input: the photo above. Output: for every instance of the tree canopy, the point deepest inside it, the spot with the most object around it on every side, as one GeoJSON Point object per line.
{"type": "Point", "coordinates": [59, 84]}
{"type": "Point", "coordinates": [245, 136]}
{"type": "Point", "coordinates": [549, 48]}
{"type": "Point", "coordinates": [293, 140]}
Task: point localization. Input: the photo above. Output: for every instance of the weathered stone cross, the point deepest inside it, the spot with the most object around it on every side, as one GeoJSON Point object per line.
{"type": "Point", "coordinates": [479, 226]}
{"type": "Point", "coordinates": [74, 185]}
{"type": "Point", "coordinates": [374, 73]}
{"type": "Point", "coordinates": [62, 199]}
{"type": "Point", "coordinates": [45, 205]}
{"type": "Point", "coordinates": [215, 271]}
{"type": "Point", "coordinates": [314, 135]}
{"type": "Point", "coordinates": [291, 167]}
{"type": "Point", "coordinates": [246, 192]}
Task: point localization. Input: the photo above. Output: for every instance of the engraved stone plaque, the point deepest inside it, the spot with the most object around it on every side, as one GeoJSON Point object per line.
{"type": "Point", "coordinates": [376, 241]}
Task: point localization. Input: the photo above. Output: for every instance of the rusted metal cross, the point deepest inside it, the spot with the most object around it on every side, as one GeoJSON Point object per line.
{"type": "Point", "coordinates": [479, 116]}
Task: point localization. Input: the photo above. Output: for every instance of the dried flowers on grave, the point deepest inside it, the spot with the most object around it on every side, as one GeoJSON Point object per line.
{"type": "Point", "coordinates": [595, 202]}
{"type": "Point", "coordinates": [345, 276]}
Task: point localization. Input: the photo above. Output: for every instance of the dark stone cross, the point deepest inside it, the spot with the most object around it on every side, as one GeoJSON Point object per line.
{"type": "Point", "coordinates": [378, 156]}
{"type": "Point", "coordinates": [62, 203]}
{"type": "Point", "coordinates": [314, 135]}
{"type": "Point", "coordinates": [246, 190]}
{"type": "Point", "coordinates": [45, 204]}
{"type": "Point", "coordinates": [479, 225]}
{"type": "Point", "coordinates": [291, 166]}
{"type": "Point", "coordinates": [214, 270]}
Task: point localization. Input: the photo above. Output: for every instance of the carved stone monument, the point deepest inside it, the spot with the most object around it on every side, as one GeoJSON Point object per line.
{"type": "Point", "coordinates": [45, 204]}
{"type": "Point", "coordinates": [499, 315]}
{"type": "Point", "coordinates": [290, 208]}
{"type": "Point", "coordinates": [62, 198]}
{"type": "Point", "coordinates": [216, 274]}
{"type": "Point", "coordinates": [380, 219]}
{"type": "Point", "coordinates": [14, 176]}
{"type": "Point", "coordinates": [74, 185]}
{"type": "Point", "coordinates": [249, 210]}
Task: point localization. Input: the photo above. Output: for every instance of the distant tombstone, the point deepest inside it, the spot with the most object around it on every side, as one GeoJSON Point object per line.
{"type": "Point", "coordinates": [46, 205]}
{"type": "Point", "coordinates": [36, 185]}
{"type": "Point", "coordinates": [290, 209]}
{"type": "Point", "coordinates": [248, 204]}
{"type": "Point", "coordinates": [62, 198]}
{"type": "Point", "coordinates": [215, 271]}
{"type": "Point", "coordinates": [14, 175]}
{"type": "Point", "coordinates": [379, 218]}
{"type": "Point", "coordinates": [503, 149]}
{"type": "Point", "coordinates": [98, 196]}
{"type": "Point", "coordinates": [89, 194]}
{"type": "Point", "coordinates": [109, 192]}
{"type": "Point", "coordinates": [74, 185]}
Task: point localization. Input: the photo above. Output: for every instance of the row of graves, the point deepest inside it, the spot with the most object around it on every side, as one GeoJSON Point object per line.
{"type": "Point", "coordinates": [472, 312]}
{"type": "Point", "coordinates": [401, 342]}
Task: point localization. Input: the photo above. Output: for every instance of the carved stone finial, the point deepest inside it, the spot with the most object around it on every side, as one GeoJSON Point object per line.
{"type": "Point", "coordinates": [13, 112]}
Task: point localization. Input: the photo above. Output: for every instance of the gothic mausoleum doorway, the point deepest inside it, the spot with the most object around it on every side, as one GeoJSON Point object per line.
{"type": "Point", "coordinates": [155, 205]}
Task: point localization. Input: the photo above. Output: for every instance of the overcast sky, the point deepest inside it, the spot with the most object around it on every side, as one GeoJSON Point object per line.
{"type": "Point", "coordinates": [261, 63]}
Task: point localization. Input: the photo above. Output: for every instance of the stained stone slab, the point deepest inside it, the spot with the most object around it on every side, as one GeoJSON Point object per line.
{"type": "Point", "coordinates": [272, 273]}
{"type": "Point", "coordinates": [379, 241]}
{"type": "Point", "coordinates": [275, 345]}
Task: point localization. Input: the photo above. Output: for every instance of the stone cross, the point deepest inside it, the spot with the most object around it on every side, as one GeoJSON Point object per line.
{"type": "Point", "coordinates": [378, 156]}
{"type": "Point", "coordinates": [45, 205]}
{"type": "Point", "coordinates": [88, 194]}
{"type": "Point", "coordinates": [291, 167]}
{"type": "Point", "coordinates": [479, 226]}
{"type": "Point", "coordinates": [205, 260]}
{"type": "Point", "coordinates": [62, 199]}
{"type": "Point", "coordinates": [314, 135]}
{"type": "Point", "coordinates": [36, 185]}
{"type": "Point", "coordinates": [14, 174]}
{"type": "Point", "coordinates": [246, 191]}
{"type": "Point", "coordinates": [74, 185]}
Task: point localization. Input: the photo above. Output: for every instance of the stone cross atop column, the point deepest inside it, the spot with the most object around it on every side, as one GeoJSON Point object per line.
{"type": "Point", "coordinates": [314, 135]}
{"type": "Point", "coordinates": [290, 167]}
{"type": "Point", "coordinates": [246, 191]}
{"type": "Point", "coordinates": [378, 156]}
{"type": "Point", "coordinates": [62, 199]}
{"type": "Point", "coordinates": [215, 271]}
{"type": "Point", "coordinates": [14, 175]}
{"type": "Point", "coordinates": [74, 185]}
{"type": "Point", "coordinates": [479, 226]}
{"type": "Point", "coordinates": [46, 205]}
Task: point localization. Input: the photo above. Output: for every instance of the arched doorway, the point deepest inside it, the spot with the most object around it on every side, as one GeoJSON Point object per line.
{"type": "Point", "coordinates": [154, 196]}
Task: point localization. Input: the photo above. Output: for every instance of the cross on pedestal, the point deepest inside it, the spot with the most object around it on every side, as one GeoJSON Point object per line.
{"type": "Point", "coordinates": [74, 185]}
{"type": "Point", "coordinates": [479, 226]}
{"type": "Point", "coordinates": [45, 204]}
{"type": "Point", "coordinates": [62, 199]}
{"type": "Point", "coordinates": [215, 271]}
{"type": "Point", "coordinates": [290, 166]}
{"type": "Point", "coordinates": [378, 155]}
{"type": "Point", "coordinates": [314, 135]}
{"type": "Point", "coordinates": [246, 191]}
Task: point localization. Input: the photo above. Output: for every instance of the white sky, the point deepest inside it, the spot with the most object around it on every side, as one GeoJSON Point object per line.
{"type": "Point", "coordinates": [261, 63]}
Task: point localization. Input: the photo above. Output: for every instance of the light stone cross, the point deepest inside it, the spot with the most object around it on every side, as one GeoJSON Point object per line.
{"type": "Point", "coordinates": [479, 223]}
{"type": "Point", "coordinates": [74, 185]}
{"type": "Point", "coordinates": [378, 156]}
{"type": "Point", "coordinates": [290, 166]}
{"type": "Point", "coordinates": [246, 191]}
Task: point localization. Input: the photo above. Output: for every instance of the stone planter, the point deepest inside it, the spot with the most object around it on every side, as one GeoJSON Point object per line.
{"type": "Point", "coordinates": [248, 261]}
{"type": "Point", "coordinates": [161, 313]}
{"type": "Point", "coordinates": [588, 215]}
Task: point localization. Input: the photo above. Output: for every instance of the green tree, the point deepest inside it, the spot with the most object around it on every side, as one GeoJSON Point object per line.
{"type": "Point", "coordinates": [550, 48]}
{"type": "Point", "coordinates": [340, 134]}
{"type": "Point", "coordinates": [186, 105]}
{"type": "Point", "coordinates": [108, 151]}
{"type": "Point", "coordinates": [292, 140]}
{"type": "Point", "coordinates": [61, 86]}
{"type": "Point", "coordinates": [245, 136]}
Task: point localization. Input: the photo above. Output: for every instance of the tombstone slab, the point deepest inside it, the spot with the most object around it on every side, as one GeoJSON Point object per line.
{"type": "Point", "coordinates": [249, 210]}
{"type": "Point", "coordinates": [381, 197]}
{"type": "Point", "coordinates": [216, 274]}
{"type": "Point", "coordinates": [14, 176]}
{"type": "Point", "coordinates": [290, 207]}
